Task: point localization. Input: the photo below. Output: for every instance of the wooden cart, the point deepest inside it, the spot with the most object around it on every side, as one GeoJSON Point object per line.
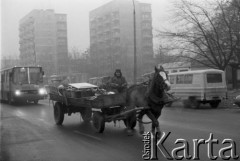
{"type": "Point", "coordinates": [92, 104]}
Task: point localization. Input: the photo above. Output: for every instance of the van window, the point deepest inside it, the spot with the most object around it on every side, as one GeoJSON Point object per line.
{"type": "Point", "coordinates": [183, 70]}
{"type": "Point", "coordinates": [188, 79]}
{"type": "Point", "coordinates": [172, 79]}
{"type": "Point", "coordinates": [214, 78]}
{"type": "Point", "coordinates": [180, 79]}
{"type": "Point", "coordinates": [174, 71]}
{"type": "Point", "coordinates": [184, 79]}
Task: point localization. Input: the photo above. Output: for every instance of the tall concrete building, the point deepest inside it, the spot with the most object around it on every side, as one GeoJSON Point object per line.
{"type": "Point", "coordinates": [112, 37]}
{"type": "Point", "coordinates": [43, 41]}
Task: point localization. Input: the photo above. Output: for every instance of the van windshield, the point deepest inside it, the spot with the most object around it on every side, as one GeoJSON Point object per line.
{"type": "Point", "coordinates": [214, 78]}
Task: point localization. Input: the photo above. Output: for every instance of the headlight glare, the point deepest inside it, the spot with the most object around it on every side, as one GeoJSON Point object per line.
{"type": "Point", "coordinates": [42, 91]}
{"type": "Point", "coordinates": [17, 92]}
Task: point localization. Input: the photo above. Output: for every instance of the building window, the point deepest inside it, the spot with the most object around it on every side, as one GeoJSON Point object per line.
{"type": "Point", "coordinates": [146, 8]}
{"type": "Point", "coordinates": [146, 24]}
{"type": "Point", "coordinates": [146, 16]}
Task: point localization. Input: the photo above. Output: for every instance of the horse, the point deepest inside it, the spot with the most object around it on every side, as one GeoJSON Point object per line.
{"type": "Point", "coordinates": [150, 97]}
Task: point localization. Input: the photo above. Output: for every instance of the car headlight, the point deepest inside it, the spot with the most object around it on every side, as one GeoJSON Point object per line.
{"type": "Point", "coordinates": [17, 92]}
{"type": "Point", "coordinates": [42, 91]}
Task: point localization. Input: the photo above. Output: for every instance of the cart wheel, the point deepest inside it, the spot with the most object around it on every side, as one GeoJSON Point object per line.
{"type": "Point", "coordinates": [86, 114]}
{"type": "Point", "coordinates": [58, 113]}
{"type": "Point", "coordinates": [98, 121]}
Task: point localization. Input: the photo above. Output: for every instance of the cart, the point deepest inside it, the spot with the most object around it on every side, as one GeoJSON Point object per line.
{"type": "Point", "coordinates": [92, 103]}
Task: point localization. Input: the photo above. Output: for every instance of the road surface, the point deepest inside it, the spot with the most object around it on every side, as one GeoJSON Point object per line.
{"type": "Point", "coordinates": [28, 133]}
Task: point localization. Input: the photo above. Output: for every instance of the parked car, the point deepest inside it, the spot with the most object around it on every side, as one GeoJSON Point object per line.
{"type": "Point", "coordinates": [236, 100]}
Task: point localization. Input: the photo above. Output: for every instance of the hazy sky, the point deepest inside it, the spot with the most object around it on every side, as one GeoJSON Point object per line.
{"type": "Point", "coordinates": [77, 18]}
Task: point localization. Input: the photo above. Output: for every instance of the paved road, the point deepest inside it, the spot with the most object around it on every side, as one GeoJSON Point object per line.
{"type": "Point", "coordinates": [28, 133]}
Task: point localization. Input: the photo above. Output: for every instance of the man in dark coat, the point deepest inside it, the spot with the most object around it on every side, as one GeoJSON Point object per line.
{"type": "Point", "coordinates": [118, 82]}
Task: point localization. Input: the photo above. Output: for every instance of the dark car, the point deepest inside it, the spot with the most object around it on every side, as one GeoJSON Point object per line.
{"type": "Point", "coordinates": [236, 100]}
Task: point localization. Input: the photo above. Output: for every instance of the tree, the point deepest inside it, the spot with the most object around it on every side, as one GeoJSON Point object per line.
{"type": "Point", "coordinates": [210, 33]}
{"type": "Point", "coordinates": [162, 55]}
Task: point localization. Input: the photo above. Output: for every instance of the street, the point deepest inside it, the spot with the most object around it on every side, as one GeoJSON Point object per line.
{"type": "Point", "coordinates": [29, 133]}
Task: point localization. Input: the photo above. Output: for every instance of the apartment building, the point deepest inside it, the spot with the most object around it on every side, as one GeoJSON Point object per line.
{"type": "Point", "coordinates": [43, 41]}
{"type": "Point", "coordinates": [112, 37]}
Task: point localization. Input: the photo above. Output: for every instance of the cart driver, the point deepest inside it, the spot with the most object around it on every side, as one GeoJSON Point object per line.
{"type": "Point", "coordinates": [63, 86]}
{"type": "Point", "coordinates": [118, 82]}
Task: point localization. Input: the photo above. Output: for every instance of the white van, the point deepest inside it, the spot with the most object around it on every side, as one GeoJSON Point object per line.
{"type": "Point", "coordinates": [199, 86]}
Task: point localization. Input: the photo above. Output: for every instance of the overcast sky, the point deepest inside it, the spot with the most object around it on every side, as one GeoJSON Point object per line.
{"type": "Point", "coordinates": [77, 18]}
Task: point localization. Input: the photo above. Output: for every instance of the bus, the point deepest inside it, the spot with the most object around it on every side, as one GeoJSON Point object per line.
{"type": "Point", "coordinates": [23, 84]}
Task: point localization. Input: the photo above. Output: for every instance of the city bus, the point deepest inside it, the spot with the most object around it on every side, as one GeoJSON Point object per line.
{"type": "Point", "coordinates": [23, 84]}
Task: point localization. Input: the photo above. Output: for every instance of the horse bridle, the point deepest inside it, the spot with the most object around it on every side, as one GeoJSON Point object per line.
{"type": "Point", "coordinates": [164, 76]}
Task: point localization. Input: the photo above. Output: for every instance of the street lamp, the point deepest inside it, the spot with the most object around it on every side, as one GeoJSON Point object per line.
{"type": "Point", "coordinates": [135, 48]}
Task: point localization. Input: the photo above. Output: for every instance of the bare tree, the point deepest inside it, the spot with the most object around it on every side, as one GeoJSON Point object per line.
{"type": "Point", "coordinates": [162, 55]}
{"type": "Point", "coordinates": [208, 31]}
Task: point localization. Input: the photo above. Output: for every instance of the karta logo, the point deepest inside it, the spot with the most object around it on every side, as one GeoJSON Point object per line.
{"type": "Point", "coordinates": [182, 148]}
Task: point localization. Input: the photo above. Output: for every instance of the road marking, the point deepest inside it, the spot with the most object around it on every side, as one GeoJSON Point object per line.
{"type": "Point", "coordinates": [19, 113]}
{"type": "Point", "coordinates": [45, 122]}
{"type": "Point", "coordinates": [90, 136]}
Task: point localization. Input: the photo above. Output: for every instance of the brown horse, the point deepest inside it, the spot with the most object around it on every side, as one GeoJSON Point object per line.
{"type": "Point", "coordinates": [150, 97]}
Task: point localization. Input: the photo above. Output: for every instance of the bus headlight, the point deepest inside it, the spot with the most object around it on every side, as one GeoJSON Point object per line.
{"type": "Point", "coordinates": [17, 92]}
{"type": "Point", "coordinates": [42, 91]}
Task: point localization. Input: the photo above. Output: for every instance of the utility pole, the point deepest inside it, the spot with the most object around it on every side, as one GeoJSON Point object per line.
{"type": "Point", "coordinates": [33, 40]}
{"type": "Point", "coordinates": [135, 47]}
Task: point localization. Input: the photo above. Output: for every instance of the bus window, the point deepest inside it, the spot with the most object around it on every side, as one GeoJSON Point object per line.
{"type": "Point", "coordinates": [214, 78]}
{"type": "Point", "coordinates": [35, 75]}
{"type": "Point", "coordinates": [20, 76]}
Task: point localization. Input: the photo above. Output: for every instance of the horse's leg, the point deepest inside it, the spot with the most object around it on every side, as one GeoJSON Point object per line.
{"type": "Point", "coordinates": [130, 117]}
{"type": "Point", "coordinates": [154, 120]}
{"type": "Point", "coordinates": [157, 114]}
{"type": "Point", "coordinates": [140, 124]}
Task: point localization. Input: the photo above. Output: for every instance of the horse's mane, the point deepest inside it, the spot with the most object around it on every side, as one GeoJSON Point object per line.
{"type": "Point", "coordinates": [157, 85]}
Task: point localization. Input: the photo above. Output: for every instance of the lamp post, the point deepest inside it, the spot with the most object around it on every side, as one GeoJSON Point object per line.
{"type": "Point", "coordinates": [134, 44]}
{"type": "Point", "coordinates": [33, 41]}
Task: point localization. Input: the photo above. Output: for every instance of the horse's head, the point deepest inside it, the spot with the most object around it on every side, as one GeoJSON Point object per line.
{"type": "Point", "coordinates": [162, 78]}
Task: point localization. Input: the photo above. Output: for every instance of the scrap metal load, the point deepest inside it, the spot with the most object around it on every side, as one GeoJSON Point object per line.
{"type": "Point", "coordinates": [86, 95]}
